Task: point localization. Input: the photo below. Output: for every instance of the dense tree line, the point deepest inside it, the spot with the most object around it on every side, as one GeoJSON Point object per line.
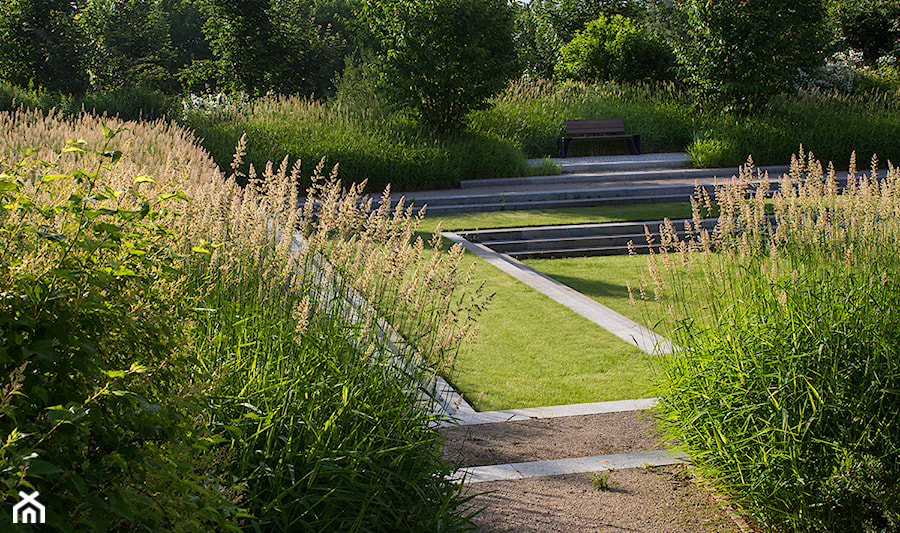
{"type": "Point", "coordinates": [438, 58]}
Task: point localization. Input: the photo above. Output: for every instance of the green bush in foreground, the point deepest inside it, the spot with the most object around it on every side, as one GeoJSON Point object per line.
{"type": "Point", "coordinates": [174, 361]}
{"type": "Point", "coordinates": [784, 388]}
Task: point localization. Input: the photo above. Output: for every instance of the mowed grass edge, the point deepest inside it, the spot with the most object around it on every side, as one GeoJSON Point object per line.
{"type": "Point", "coordinates": [532, 351]}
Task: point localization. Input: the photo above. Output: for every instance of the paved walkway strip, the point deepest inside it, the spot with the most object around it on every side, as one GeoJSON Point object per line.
{"type": "Point", "coordinates": [557, 467]}
{"type": "Point", "coordinates": [472, 418]}
{"type": "Point", "coordinates": [620, 326]}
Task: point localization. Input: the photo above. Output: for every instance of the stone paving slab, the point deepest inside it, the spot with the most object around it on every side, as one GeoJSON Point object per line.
{"type": "Point", "coordinates": [472, 417]}
{"type": "Point", "coordinates": [558, 467]}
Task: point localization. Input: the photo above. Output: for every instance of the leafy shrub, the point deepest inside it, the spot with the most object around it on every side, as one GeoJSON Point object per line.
{"type": "Point", "coordinates": [262, 47]}
{"type": "Point", "coordinates": [443, 58]}
{"type": "Point", "coordinates": [868, 27]}
{"type": "Point", "coordinates": [782, 390]}
{"type": "Point", "coordinates": [617, 49]}
{"type": "Point", "coordinates": [93, 389]}
{"type": "Point", "coordinates": [42, 46]}
{"type": "Point", "coordinates": [712, 153]}
{"type": "Point", "coordinates": [130, 44]}
{"type": "Point", "coordinates": [742, 53]}
{"type": "Point", "coordinates": [186, 354]}
{"type": "Point", "coordinates": [536, 40]}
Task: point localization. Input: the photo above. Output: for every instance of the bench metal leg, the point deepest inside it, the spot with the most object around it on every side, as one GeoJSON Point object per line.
{"type": "Point", "coordinates": [562, 147]}
{"type": "Point", "coordinates": [634, 145]}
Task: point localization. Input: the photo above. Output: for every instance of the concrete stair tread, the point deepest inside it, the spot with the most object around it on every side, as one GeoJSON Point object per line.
{"type": "Point", "coordinates": [554, 204]}
{"type": "Point", "coordinates": [600, 177]}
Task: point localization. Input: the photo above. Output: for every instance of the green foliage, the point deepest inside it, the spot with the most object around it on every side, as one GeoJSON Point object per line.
{"type": "Point", "coordinates": [536, 41]}
{"type": "Point", "coordinates": [827, 125]}
{"type": "Point", "coordinates": [92, 391]}
{"type": "Point", "coordinates": [798, 421]}
{"type": "Point", "coordinates": [165, 357]}
{"type": "Point", "coordinates": [41, 45]}
{"type": "Point", "coordinates": [869, 27]}
{"type": "Point", "coordinates": [531, 115]}
{"type": "Point", "coordinates": [130, 44]}
{"type": "Point", "coordinates": [127, 103]}
{"type": "Point", "coordinates": [617, 49]}
{"type": "Point", "coordinates": [568, 17]}
{"type": "Point", "coordinates": [262, 46]}
{"type": "Point", "coordinates": [743, 53]}
{"type": "Point", "coordinates": [373, 144]}
{"type": "Point", "coordinates": [443, 58]}
{"type": "Point", "coordinates": [325, 436]}
{"type": "Point", "coordinates": [783, 390]}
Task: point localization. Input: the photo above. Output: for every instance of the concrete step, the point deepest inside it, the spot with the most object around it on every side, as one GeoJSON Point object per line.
{"type": "Point", "coordinates": [552, 204]}
{"type": "Point", "coordinates": [579, 240]}
{"type": "Point", "coordinates": [581, 252]}
{"type": "Point", "coordinates": [476, 200]}
{"type": "Point", "coordinates": [598, 177]}
{"type": "Point", "coordinates": [490, 236]}
{"type": "Point", "coordinates": [570, 165]}
{"type": "Point", "coordinates": [472, 198]}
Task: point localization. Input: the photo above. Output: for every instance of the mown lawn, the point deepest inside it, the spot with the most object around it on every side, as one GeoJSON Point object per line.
{"type": "Point", "coordinates": [532, 351]}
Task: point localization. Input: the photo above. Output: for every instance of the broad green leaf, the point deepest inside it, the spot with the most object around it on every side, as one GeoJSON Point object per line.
{"type": "Point", "coordinates": [55, 237]}
{"type": "Point", "coordinates": [107, 132]}
{"type": "Point", "coordinates": [52, 177]}
{"type": "Point", "coordinates": [137, 368]}
{"type": "Point", "coordinates": [6, 185]}
{"type": "Point", "coordinates": [71, 148]}
{"type": "Point", "coordinates": [40, 467]}
{"type": "Point", "coordinates": [143, 179]}
{"type": "Point", "coordinates": [177, 194]}
{"type": "Point", "coordinates": [107, 228]}
{"type": "Point", "coordinates": [124, 271]}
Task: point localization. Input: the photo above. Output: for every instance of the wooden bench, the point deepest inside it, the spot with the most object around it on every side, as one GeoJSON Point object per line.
{"type": "Point", "coordinates": [604, 129]}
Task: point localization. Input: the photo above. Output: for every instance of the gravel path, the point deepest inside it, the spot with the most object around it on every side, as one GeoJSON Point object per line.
{"type": "Point", "coordinates": [648, 500]}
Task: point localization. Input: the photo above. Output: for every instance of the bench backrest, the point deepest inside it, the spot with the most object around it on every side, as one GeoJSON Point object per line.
{"type": "Point", "coordinates": [602, 125]}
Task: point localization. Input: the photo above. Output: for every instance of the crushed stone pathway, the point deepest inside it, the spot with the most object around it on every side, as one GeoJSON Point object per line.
{"type": "Point", "coordinates": [537, 470]}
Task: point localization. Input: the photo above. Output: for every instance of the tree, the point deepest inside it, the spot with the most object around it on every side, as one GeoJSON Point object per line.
{"type": "Point", "coordinates": [570, 16]}
{"type": "Point", "coordinates": [618, 49]}
{"type": "Point", "coordinates": [869, 27]}
{"type": "Point", "coordinates": [745, 51]}
{"type": "Point", "coordinates": [443, 58]}
{"type": "Point", "coordinates": [41, 45]}
{"type": "Point", "coordinates": [130, 44]}
{"type": "Point", "coordinates": [281, 46]}
{"type": "Point", "coordinates": [537, 42]}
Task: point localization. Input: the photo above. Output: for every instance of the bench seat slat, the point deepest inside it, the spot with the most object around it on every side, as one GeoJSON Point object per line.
{"type": "Point", "coordinates": [597, 129]}
{"type": "Point", "coordinates": [605, 125]}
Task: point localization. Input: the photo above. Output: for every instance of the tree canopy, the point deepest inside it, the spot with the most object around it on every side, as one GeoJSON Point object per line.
{"type": "Point", "coordinates": [443, 58]}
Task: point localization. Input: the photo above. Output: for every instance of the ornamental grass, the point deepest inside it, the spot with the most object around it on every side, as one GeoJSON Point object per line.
{"type": "Point", "coordinates": [784, 386]}
{"type": "Point", "coordinates": [184, 354]}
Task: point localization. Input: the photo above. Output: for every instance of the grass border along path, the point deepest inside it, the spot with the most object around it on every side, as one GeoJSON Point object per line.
{"type": "Point", "coordinates": [532, 351]}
